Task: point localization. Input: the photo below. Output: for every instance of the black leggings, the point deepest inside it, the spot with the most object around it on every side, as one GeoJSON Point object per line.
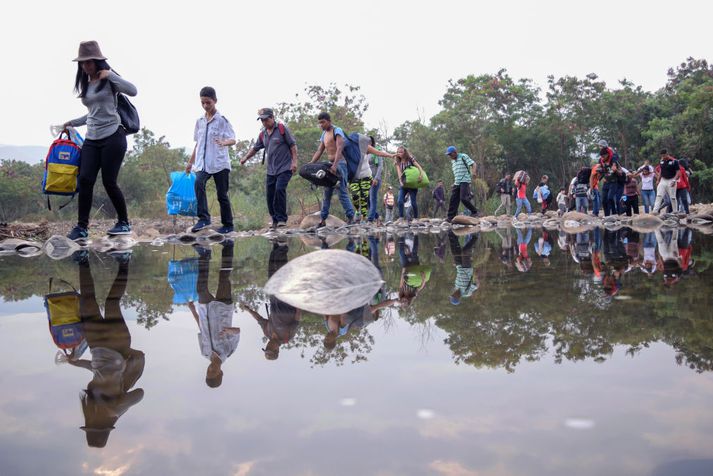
{"type": "Point", "coordinates": [105, 155]}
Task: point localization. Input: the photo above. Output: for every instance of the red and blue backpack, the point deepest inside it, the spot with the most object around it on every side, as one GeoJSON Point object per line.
{"type": "Point", "coordinates": [61, 169]}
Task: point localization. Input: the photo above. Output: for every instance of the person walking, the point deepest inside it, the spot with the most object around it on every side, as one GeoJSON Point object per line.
{"type": "Point", "coordinates": [521, 181]}
{"type": "Point", "coordinates": [631, 195]}
{"type": "Point", "coordinates": [667, 176]}
{"type": "Point", "coordinates": [360, 185]}
{"type": "Point", "coordinates": [404, 159]}
{"type": "Point", "coordinates": [505, 189]}
{"type": "Point", "coordinates": [542, 194]}
{"type": "Point", "coordinates": [463, 168]}
{"type": "Point", "coordinates": [389, 203]}
{"type": "Point", "coordinates": [212, 134]}
{"type": "Point", "coordinates": [105, 143]}
{"type": "Point", "coordinates": [439, 197]}
{"type": "Point", "coordinates": [376, 164]}
{"type": "Point", "coordinates": [332, 141]}
{"type": "Point", "coordinates": [280, 148]}
{"type": "Point", "coordinates": [648, 194]}
{"type": "Point", "coordinates": [682, 189]}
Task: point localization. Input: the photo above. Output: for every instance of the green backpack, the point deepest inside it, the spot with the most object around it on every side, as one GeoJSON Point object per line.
{"type": "Point", "coordinates": [410, 178]}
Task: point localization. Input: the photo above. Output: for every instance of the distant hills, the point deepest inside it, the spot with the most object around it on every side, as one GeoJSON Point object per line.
{"type": "Point", "coordinates": [31, 154]}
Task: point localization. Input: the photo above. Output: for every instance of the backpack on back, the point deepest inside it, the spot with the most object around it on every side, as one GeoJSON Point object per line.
{"type": "Point", "coordinates": [280, 128]}
{"type": "Point", "coordinates": [351, 153]}
{"type": "Point", "coordinates": [61, 169]}
{"type": "Point", "coordinates": [65, 323]}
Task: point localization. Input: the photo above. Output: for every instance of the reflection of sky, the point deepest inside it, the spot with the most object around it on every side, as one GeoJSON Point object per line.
{"type": "Point", "coordinates": [408, 409]}
{"type": "Point", "coordinates": [285, 417]}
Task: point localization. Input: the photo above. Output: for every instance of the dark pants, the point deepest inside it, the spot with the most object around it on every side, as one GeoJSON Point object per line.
{"type": "Point", "coordinates": [682, 199]}
{"type": "Point", "coordinates": [440, 206]}
{"type": "Point", "coordinates": [463, 256]}
{"type": "Point", "coordinates": [609, 193]}
{"type": "Point", "coordinates": [111, 330]}
{"type": "Point", "coordinates": [619, 192]}
{"type": "Point", "coordinates": [224, 292]}
{"type": "Point", "coordinates": [408, 257]}
{"type": "Point", "coordinates": [460, 193]}
{"type": "Point", "coordinates": [221, 188]}
{"type": "Point", "coordinates": [632, 204]}
{"type": "Point", "coordinates": [402, 199]}
{"type": "Point", "coordinates": [276, 193]}
{"type": "Point", "coordinates": [105, 155]}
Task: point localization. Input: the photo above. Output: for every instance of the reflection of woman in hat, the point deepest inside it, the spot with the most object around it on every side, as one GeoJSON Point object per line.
{"type": "Point", "coordinates": [115, 366]}
{"type": "Point", "coordinates": [105, 145]}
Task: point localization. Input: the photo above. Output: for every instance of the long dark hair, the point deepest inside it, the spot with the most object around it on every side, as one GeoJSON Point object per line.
{"type": "Point", "coordinates": [82, 79]}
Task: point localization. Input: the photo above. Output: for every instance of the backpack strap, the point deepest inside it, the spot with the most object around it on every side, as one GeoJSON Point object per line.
{"type": "Point", "coordinates": [49, 285]}
{"type": "Point", "coordinates": [280, 127]}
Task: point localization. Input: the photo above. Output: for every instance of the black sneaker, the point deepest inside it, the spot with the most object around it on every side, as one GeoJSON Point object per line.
{"type": "Point", "coordinates": [225, 229]}
{"type": "Point", "coordinates": [322, 224]}
{"type": "Point", "coordinates": [202, 251]}
{"type": "Point", "coordinates": [78, 233]}
{"type": "Point", "coordinates": [80, 256]}
{"type": "Point", "coordinates": [200, 225]}
{"type": "Point", "coordinates": [281, 224]}
{"type": "Point", "coordinates": [121, 228]}
{"type": "Point", "coordinates": [121, 256]}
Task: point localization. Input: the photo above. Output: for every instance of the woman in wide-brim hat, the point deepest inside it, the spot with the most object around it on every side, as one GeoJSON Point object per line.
{"type": "Point", "coordinates": [105, 145]}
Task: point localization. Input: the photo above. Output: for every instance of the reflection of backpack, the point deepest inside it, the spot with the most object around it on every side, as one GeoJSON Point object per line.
{"type": "Point", "coordinates": [61, 169]}
{"type": "Point", "coordinates": [413, 275]}
{"type": "Point", "coordinates": [65, 323]}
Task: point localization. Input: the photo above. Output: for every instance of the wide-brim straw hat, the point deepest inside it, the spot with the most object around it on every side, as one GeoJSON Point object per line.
{"type": "Point", "coordinates": [89, 50]}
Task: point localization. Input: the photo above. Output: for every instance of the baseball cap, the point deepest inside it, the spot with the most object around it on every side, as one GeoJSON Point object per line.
{"type": "Point", "coordinates": [603, 143]}
{"type": "Point", "coordinates": [450, 149]}
{"type": "Point", "coordinates": [264, 113]}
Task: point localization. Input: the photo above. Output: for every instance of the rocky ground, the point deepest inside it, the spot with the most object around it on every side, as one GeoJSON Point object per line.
{"type": "Point", "coordinates": [29, 239]}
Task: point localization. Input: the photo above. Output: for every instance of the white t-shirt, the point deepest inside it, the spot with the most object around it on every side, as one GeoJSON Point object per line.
{"type": "Point", "coordinates": [364, 170]}
{"type": "Point", "coordinates": [211, 157]}
{"type": "Point", "coordinates": [212, 319]}
{"type": "Point", "coordinates": [647, 181]}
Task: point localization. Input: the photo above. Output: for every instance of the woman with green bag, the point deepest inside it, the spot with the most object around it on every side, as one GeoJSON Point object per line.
{"type": "Point", "coordinates": [404, 160]}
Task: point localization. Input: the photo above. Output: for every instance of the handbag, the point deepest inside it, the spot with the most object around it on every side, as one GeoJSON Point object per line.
{"type": "Point", "coordinates": [410, 175]}
{"type": "Point", "coordinates": [128, 114]}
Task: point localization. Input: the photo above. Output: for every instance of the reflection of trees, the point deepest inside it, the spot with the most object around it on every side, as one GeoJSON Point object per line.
{"type": "Point", "coordinates": [352, 347]}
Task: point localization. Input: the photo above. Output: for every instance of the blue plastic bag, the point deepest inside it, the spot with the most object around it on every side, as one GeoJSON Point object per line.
{"type": "Point", "coordinates": [183, 278]}
{"type": "Point", "coordinates": [181, 196]}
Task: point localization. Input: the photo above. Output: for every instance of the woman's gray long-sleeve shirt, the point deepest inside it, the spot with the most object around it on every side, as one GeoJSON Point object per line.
{"type": "Point", "coordinates": [103, 120]}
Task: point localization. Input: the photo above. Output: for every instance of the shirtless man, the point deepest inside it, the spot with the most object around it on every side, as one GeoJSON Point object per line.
{"type": "Point", "coordinates": [332, 141]}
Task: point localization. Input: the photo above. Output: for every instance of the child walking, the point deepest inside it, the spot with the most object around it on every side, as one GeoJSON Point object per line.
{"type": "Point", "coordinates": [213, 135]}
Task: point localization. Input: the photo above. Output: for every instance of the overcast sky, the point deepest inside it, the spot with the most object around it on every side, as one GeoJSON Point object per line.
{"type": "Point", "coordinates": [255, 54]}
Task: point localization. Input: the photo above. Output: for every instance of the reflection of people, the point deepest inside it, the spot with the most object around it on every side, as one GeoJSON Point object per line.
{"type": "Point", "coordinates": [116, 367]}
{"type": "Point", "coordinates": [413, 276]}
{"type": "Point", "coordinates": [466, 282]}
{"type": "Point", "coordinates": [358, 318]}
{"type": "Point", "coordinates": [648, 264]}
{"type": "Point", "coordinates": [543, 247]}
{"type": "Point", "coordinates": [523, 262]}
{"type": "Point", "coordinates": [506, 249]}
{"type": "Point", "coordinates": [217, 338]}
{"type": "Point", "coordinates": [282, 319]}
{"type": "Point", "coordinates": [670, 260]}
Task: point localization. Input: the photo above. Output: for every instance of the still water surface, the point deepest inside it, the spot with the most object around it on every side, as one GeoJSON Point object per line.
{"type": "Point", "coordinates": [493, 354]}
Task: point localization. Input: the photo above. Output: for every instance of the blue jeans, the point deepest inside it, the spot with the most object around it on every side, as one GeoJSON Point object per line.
{"type": "Point", "coordinates": [520, 202]}
{"type": "Point", "coordinates": [581, 204]}
{"type": "Point", "coordinates": [609, 191]}
{"type": "Point", "coordinates": [276, 194]}
{"type": "Point", "coordinates": [402, 198]}
{"type": "Point", "coordinates": [343, 194]}
{"type": "Point", "coordinates": [374, 201]}
{"type": "Point", "coordinates": [596, 202]}
{"type": "Point", "coordinates": [648, 197]}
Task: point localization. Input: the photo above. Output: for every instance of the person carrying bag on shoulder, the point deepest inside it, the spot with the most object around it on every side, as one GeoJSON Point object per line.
{"type": "Point", "coordinates": [104, 147]}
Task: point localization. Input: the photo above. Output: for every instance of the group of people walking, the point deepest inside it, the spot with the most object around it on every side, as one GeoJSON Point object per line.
{"type": "Point", "coordinates": [606, 184]}
{"type": "Point", "coordinates": [610, 186]}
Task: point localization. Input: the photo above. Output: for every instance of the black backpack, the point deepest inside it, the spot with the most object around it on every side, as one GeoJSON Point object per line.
{"type": "Point", "coordinates": [584, 175]}
{"type": "Point", "coordinates": [319, 174]}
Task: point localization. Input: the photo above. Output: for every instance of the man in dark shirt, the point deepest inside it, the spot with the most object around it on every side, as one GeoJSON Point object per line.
{"type": "Point", "coordinates": [439, 195]}
{"type": "Point", "coordinates": [667, 174]}
{"type": "Point", "coordinates": [281, 154]}
{"type": "Point", "coordinates": [506, 190]}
